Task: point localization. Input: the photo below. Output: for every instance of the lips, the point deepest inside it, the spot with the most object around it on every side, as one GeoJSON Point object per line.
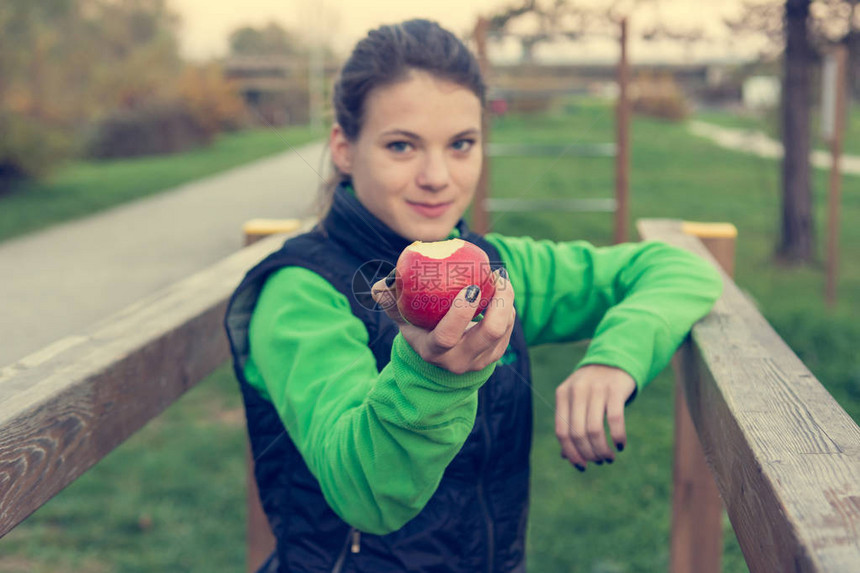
{"type": "Point", "coordinates": [431, 210]}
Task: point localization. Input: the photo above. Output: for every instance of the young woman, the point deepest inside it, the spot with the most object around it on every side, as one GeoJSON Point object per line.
{"type": "Point", "coordinates": [384, 447]}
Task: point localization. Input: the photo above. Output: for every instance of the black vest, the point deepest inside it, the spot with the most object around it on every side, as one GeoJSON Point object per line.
{"type": "Point", "coordinates": [476, 519]}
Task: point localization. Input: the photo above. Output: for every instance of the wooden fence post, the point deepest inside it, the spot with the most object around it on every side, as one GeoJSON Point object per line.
{"type": "Point", "coordinates": [260, 541]}
{"type": "Point", "coordinates": [834, 194]}
{"type": "Point", "coordinates": [480, 216]}
{"type": "Point", "coordinates": [622, 154]}
{"type": "Point", "coordinates": [697, 510]}
{"type": "Point", "coordinates": [259, 538]}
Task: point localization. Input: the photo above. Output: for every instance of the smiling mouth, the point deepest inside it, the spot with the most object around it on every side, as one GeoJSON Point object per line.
{"type": "Point", "coordinates": [431, 211]}
{"type": "Point", "coordinates": [431, 205]}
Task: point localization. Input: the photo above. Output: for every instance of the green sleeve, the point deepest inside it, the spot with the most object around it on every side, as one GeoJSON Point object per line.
{"type": "Point", "coordinates": [636, 301]}
{"type": "Point", "coordinates": [377, 442]}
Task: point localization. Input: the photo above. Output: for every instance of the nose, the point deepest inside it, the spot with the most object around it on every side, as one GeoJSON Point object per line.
{"type": "Point", "coordinates": [434, 173]}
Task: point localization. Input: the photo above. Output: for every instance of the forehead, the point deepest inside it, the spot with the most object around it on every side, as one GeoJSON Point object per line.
{"type": "Point", "coordinates": [424, 104]}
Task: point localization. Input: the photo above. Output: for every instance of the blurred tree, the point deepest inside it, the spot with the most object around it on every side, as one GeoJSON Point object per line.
{"type": "Point", "coordinates": [801, 29]}
{"type": "Point", "coordinates": [64, 63]}
{"type": "Point", "coordinates": [138, 53]}
{"type": "Point", "coordinates": [30, 119]}
{"type": "Point", "coordinates": [550, 22]}
{"type": "Point", "coordinates": [559, 20]}
{"type": "Point", "coordinates": [796, 242]}
{"type": "Point", "coordinates": [212, 99]}
{"type": "Point", "coordinates": [70, 60]}
{"type": "Point", "coordinates": [271, 39]}
{"type": "Point", "coordinates": [29, 36]}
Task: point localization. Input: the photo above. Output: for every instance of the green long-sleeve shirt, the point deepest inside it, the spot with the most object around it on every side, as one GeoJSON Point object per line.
{"type": "Point", "coordinates": [378, 442]}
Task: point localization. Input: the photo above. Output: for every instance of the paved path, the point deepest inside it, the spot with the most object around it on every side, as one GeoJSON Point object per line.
{"type": "Point", "coordinates": [61, 280]}
{"type": "Point", "coordinates": [760, 144]}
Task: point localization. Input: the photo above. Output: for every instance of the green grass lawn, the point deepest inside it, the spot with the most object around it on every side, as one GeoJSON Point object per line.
{"type": "Point", "coordinates": [172, 497]}
{"type": "Point", "coordinates": [83, 187]}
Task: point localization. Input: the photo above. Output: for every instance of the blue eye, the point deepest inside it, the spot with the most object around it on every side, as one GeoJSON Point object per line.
{"type": "Point", "coordinates": [470, 142]}
{"type": "Point", "coordinates": [395, 146]}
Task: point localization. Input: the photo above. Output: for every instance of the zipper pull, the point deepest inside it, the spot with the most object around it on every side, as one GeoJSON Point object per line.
{"type": "Point", "coordinates": [356, 541]}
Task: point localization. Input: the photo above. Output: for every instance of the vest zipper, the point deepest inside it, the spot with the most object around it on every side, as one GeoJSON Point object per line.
{"type": "Point", "coordinates": [351, 536]}
{"type": "Point", "coordinates": [491, 549]}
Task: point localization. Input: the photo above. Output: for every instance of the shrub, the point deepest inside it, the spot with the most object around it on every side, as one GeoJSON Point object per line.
{"type": "Point", "coordinates": [29, 147]}
{"type": "Point", "coordinates": [155, 129]}
{"type": "Point", "coordinates": [211, 98]}
{"type": "Point", "coordinates": [659, 97]}
{"type": "Point", "coordinates": [530, 102]}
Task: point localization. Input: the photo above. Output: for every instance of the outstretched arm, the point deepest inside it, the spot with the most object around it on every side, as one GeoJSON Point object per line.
{"type": "Point", "coordinates": [635, 301]}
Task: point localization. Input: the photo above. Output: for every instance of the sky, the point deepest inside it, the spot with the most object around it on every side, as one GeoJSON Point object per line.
{"type": "Point", "coordinates": [208, 23]}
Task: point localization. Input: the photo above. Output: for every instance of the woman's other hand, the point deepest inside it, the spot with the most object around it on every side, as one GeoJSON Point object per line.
{"type": "Point", "coordinates": [582, 401]}
{"type": "Point", "coordinates": [457, 344]}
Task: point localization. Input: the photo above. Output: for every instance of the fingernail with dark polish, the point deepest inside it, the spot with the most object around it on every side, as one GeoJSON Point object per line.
{"type": "Point", "coordinates": [503, 273]}
{"type": "Point", "coordinates": [472, 293]}
{"type": "Point", "coordinates": [599, 462]}
{"type": "Point", "coordinates": [389, 280]}
{"type": "Point", "coordinates": [619, 447]}
{"type": "Point", "coordinates": [579, 467]}
{"type": "Point", "coordinates": [609, 461]}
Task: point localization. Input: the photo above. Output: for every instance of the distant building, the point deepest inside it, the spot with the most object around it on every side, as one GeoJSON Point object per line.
{"type": "Point", "coordinates": [712, 83]}
{"type": "Point", "coordinates": [761, 92]}
{"type": "Point", "coordinates": [275, 88]}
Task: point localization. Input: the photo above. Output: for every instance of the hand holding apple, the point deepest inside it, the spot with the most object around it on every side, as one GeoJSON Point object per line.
{"type": "Point", "coordinates": [456, 343]}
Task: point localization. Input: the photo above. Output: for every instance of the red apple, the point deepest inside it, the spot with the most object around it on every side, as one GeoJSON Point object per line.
{"type": "Point", "coordinates": [429, 275]}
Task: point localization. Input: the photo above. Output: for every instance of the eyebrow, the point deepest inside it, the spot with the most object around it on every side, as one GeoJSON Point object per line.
{"type": "Point", "coordinates": [470, 131]}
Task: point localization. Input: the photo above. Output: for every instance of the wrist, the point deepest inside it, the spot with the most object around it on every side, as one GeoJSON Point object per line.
{"type": "Point", "coordinates": [409, 357]}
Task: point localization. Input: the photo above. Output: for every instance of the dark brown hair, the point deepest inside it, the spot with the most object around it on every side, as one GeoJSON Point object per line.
{"type": "Point", "coordinates": [385, 57]}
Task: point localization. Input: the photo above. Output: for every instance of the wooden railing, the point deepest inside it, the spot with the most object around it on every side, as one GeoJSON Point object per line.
{"type": "Point", "coordinates": [785, 456]}
{"type": "Point", "coordinates": [67, 406]}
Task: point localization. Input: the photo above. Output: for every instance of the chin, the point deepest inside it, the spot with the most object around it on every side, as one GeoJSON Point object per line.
{"type": "Point", "coordinates": [427, 235]}
{"type": "Point", "coordinates": [419, 228]}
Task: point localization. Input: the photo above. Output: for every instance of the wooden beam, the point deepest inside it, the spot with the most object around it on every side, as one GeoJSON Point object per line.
{"type": "Point", "coordinates": [65, 407]}
{"type": "Point", "coordinates": [785, 455]}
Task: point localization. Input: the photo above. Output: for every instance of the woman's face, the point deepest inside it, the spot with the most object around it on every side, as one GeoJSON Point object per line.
{"type": "Point", "coordinates": [417, 160]}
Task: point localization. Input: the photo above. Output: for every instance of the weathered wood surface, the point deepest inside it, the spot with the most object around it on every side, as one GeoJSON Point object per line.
{"type": "Point", "coordinates": [785, 455]}
{"type": "Point", "coordinates": [65, 407]}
